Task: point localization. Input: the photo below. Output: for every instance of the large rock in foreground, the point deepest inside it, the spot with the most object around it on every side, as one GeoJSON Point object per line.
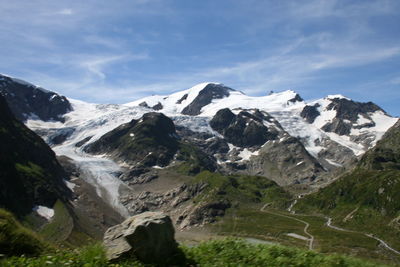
{"type": "Point", "coordinates": [148, 236]}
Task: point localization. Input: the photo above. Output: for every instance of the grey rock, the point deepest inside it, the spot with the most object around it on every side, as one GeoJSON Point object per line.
{"type": "Point", "coordinates": [203, 213]}
{"type": "Point", "coordinates": [285, 161]}
{"type": "Point", "coordinates": [158, 106]}
{"type": "Point", "coordinates": [83, 141]}
{"type": "Point", "coordinates": [182, 99]}
{"type": "Point", "coordinates": [205, 96]}
{"type": "Point", "coordinates": [148, 236]}
{"type": "Point", "coordinates": [296, 98]}
{"type": "Point", "coordinates": [247, 129]}
{"type": "Point", "coordinates": [310, 113]}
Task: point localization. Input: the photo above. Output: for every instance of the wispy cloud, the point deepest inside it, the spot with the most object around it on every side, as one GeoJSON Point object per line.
{"type": "Point", "coordinates": [121, 50]}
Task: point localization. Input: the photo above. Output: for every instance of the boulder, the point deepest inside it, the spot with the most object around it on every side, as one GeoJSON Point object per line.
{"type": "Point", "coordinates": [148, 236]}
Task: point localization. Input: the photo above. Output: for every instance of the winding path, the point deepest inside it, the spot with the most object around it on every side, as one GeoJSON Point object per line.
{"type": "Point", "coordinates": [328, 224]}
{"type": "Point", "coordinates": [383, 243]}
{"type": "Point", "coordinates": [305, 230]}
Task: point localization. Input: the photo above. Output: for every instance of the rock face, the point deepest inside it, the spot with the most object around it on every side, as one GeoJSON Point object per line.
{"type": "Point", "coordinates": [310, 113]}
{"type": "Point", "coordinates": [246, 129]}
{"type": "Point", "coordinates": [286, 162]}
{"type": "Point", "coordinates": [26, 100]}
{"type": "Point", "coordinates": [150, 141]}
{"type": "Point", "coordinates": [349, 114]}
{"type": "Point", "coordinates": [210, 92]}
{"type": "Point", "coordinates": [148, 236]}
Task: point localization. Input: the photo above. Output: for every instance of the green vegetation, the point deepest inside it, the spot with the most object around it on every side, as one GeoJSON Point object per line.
{"type": "Point", "coordinates": [29, 169]}
{"type": "Point", "coordinates": [193, 160]}
{"type": "Point", "coordinates": [366, 199]}
{"type": "Point", "coordinates": [374, 189]}
{"type": "Point", "coordinates": [363, 200]}
{"type": "Point", "coordinates": [241, 189]}
{"type": "Point", "coordinates": [231, 252]}
{"type": "Point", "coordinates": [60, 226]}
{"type": "Point", "coordinates": [228, 252]}
{"type": "Point", "coordinates": [90, 256]}
{"type": "Point", "coordinates": [16, 239]}
{"type": "Point", "coordinates": [274, 225]}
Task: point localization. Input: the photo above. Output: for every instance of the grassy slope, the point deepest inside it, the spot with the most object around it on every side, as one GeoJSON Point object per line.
{"type": "Point", "coordinates": [240, 190]}
{"type": "Point", "coordinates": [374, 196]}
{"type": "Point", "coordinates": [16, 239]}
{"type": "Point", "coordinates": [367, 199]}
{"type": "Point", "coordinates": [227, 252]}
{"type": "Point", "coordinates": [248, 194]}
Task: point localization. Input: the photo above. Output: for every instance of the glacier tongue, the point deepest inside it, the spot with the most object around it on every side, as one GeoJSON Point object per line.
{"type": "Point", "coordinates": [94, 120]}
{"type": "Point", "coordinates": [101, 173]}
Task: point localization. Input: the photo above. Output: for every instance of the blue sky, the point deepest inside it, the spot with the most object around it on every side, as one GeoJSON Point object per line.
{"type": "Point", "coordinates": [119, 51]}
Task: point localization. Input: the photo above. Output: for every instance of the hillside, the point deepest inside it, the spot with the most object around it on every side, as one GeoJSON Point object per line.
{"type": "Point", "coordinates": [30, 174]}
{"type": "Point", "coordinates": [365, 198]}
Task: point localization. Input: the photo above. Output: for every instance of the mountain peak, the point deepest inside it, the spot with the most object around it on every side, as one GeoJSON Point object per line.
{"type": "Point", "coordinates": [337, 96]}
{"type": "Point", "coordinates": [205, 96]}
{"type": "Point", "coordinates": [30, 101]}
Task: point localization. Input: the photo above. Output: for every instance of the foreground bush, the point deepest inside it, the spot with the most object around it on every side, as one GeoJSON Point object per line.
{"type": "Point", "coordinates": [228, 252]}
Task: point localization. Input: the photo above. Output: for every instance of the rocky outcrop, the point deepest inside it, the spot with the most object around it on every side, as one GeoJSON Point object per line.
{"type": "Point", "coordinates": [150, 141]}
{"type": "Point", "coordinates": [348, 113]}
{"type": "Point", "coordinates": [28, 101]}
{"type": "Point", "coordinates": [167, 201]}
{"type": "Point", "coordinates": [296, 98]}
{"type": "Point", "coordinates": [56, 136]}
{"type": "Point", "coordinates": [148, 236]}
{"type": "Point", "coordinates": [386, 154]}
{"type": "Point", "coordinates": [350, 110]}
{"type": "Point", "coordinates": [205, 96]}
{"type": "Point", "coordinates": [157, 106]}
{"type": "Point", "coordinates": [286, 162]}
{"type": "Point", "coordinates": [247, 129]}
{"type": "Point", "coordinates": [203, 213]}
{"type": "Point", "coordinates": [338, 126]}
{"type": "Point", "coordinates": [184, 97]}
{"type": "Point", "coordinates": [310, 113]}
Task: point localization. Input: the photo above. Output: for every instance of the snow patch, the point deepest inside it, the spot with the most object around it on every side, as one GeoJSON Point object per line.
{"type": "Point", "coordinates": [70, 185]}
{"type": "Point", "coordinates": [158, 167]}
{"type": "Point", "coordinates": [334, 163]}
{"type": "Point", "coordinates": [297, 236]}
{"type": "Point", "coordinates": [45, 212]}
{"type": "Point", "coordinates": [245, 154]}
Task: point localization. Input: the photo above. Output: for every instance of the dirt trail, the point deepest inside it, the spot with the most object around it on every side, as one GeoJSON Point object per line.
{"type": "Point", "coordinates": [305, 230]}
{"type": "Point", "coordinates": [328, 224]}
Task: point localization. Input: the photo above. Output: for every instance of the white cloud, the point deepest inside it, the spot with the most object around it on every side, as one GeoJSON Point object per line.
{"type": "Point", "coordinates": [65, 11]}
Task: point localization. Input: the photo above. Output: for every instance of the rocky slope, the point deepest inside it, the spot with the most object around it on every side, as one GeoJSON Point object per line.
{"type": "Point", "coordinates": [30, 174]}
{"type": "Point", "coordinates": [43, 104]}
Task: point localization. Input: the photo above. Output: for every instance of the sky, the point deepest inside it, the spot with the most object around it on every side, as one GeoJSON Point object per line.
{"type": "Point", "coordinates": [118, 51]}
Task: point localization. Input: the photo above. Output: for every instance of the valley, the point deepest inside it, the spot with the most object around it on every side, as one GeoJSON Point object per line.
{"type": "Point", "coordinates": [320, 175]}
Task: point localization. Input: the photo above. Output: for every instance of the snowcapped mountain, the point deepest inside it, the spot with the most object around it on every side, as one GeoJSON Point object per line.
{"type": "Point", "coordinates": [30, 101]}
{"type": "Point", "coordinates": [327, 127]}
{"type": "Point", "coordinates": [333, 130]}
{"type": "Point", "coordinates": [279, 136]}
